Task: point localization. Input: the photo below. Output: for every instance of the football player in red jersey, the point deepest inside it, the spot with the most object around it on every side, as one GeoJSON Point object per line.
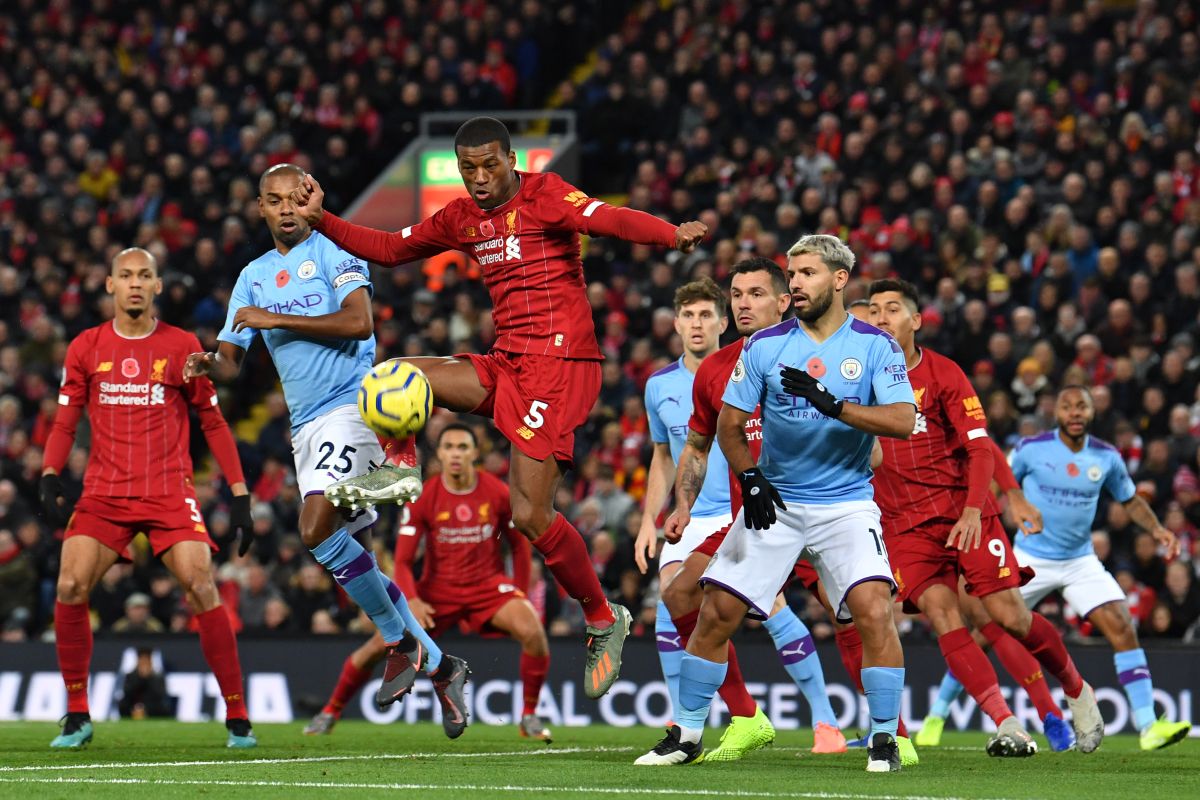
{"type": "Point", "coordinates": [543, 375]}
{"type": "Point", "coordinates": [128, 374]}
{"type": "Point", "coordinates": [940, 521]}
{"type": "Point", "coordinates": [460, 517]}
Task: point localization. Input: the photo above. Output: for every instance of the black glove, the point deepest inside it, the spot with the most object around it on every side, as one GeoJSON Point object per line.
{"type": "Point", "coordinates": [240, 523]}
{"type": "Point", "coordinates": [759, 499]}
{"type": "Point", "coordinates": [54, 503]}
{"type": "Point", "coordinates": [799, 383]}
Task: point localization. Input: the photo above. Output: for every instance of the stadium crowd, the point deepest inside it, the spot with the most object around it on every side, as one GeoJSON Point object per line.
{"type": "Point", "coordinates": [1034, 172]}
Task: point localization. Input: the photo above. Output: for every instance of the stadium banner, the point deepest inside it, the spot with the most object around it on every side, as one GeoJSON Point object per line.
{"type": "Point", "coordinates": [288, 679]}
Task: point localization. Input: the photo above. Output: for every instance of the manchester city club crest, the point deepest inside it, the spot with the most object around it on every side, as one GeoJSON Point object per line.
{"type": "Point", "coordinates": [1094, 473]}
{"type": "Point", "coordinates": [306, 270]}
{"type": "Point", "coordinates": [851, 369]}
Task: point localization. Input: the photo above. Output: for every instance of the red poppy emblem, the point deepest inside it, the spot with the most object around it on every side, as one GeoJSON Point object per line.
{"type": "Point", "coordinates": [282, 277]}
{"type": "Point", "coordinates": [815, 367]}
{"type": "Point", "coordinates": [463, 512]}
{"type": "Point", "coordinates": [487, 228]}
{"type": "Point", "coordinates": [1073, 470]}
{"type": "Point", "coordinates": [130, 368]}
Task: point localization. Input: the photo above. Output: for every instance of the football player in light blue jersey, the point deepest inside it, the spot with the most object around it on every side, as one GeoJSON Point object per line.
{"type": "Point", "coordinates": [700, 319]}
{"type": "Point", "coordinates": [1063, 473]}
{"type": "Point", "coordinates": [816, 449]}
{"type": "Point", "coordinates": [311, 301]}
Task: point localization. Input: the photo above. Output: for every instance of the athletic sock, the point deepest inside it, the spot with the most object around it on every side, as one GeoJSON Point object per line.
{"type": "Point", "coordinates": [400, 452]}
{"type": "Point", "coordinates": [883, 687]}
{"type": "Point", "coordinates": [1024, 669]}
{"type": "Point", "coordinates": [733, 689]}
{"type": "Point", "coordinates": [794, 643]}
{"type": "Point", "coordinates": [1047, 647]}
{"type": "Point", "coordinates": [533, 677]}
{"type": "Point", "coordinates": [670, 651]}
{"type": "Point", "coordinates": [971, 666]}
{"type": "Point", "coordinates": [849, 645]}
{"type": "Point", "coordinates": [220, 651]}
{"type": "Point", "coordinates": [349, 682]}
{"type": "Point", "coordinates": [1134, 674]}
{"type": "Point", "coordinates": [698, 682]}
{"type": "Point", "coordinates": [73, 643]}
{"type": "Point", "coordinates": [412, 626]}
{"type": "Point", "coordinates": [355, 571]}
{"type": "Point", "coordinates": [566, 556]}
{"type": "Point", "coordinates": [948, 692]}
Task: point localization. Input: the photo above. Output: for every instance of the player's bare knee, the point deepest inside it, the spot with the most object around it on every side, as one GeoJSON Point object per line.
{"type": "Point", "coordinates": [532, 521]}
{"type": "Point", "coordinates": [681, 596]}
{"type": "Point", "coordinates": [70, 590]}
{"type": "Point", "coordinates": [1013, 617]}
{"type": "Point", "coordinates": [533, 642]}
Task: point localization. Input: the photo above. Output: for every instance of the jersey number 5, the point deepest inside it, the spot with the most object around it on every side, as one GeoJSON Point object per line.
{"type": "Point", "coordinates": [534, 418]}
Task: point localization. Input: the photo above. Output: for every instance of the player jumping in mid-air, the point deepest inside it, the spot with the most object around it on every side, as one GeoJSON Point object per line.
{"type": "Point", "coordinates": [706, 500]}
{"type": "Point", "coordinates": [128, 374]}
{"type": "Point", "coordinates": [941, 521]}
{"type": "Point", "coordinates": [1063, 472]}
{"type": "Point", "coordinates": [311, 302]}
{"type": "Point", "coordinates": [460, 516]}
{"type": "Point", "coordinates": [816, 449]}
{"type": "Point", "coordinates": [542, 377]}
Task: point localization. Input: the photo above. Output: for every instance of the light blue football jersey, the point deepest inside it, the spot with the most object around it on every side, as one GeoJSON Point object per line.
{"type": "Point", "coordinates": [1065, 486]}
{"type": "Point", "coordinates": [311, 280]}
{"type": "Point", "coordinates": [809, 457]}
{"type": "Point", "coordinates": [669, 405]}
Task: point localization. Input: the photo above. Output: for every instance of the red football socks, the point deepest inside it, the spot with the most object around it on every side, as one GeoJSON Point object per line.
{"type": "Point", "coordinates": [400, 452]}
{"type": "Point", "coordinates": [220, 651]}
{"type": "Point", "coordinates": [349, 682]}
{"type": "Point", "coordinates": [533, 677]}
{"type": "Point", "coordinates": [73, 642]}
{"type": "Point", "coordinates": [1023, 668]}
{"type": "Point", "coordinates": [1047, 647]}
{"type": "Point", "coordinates": [849, 645]}
{"type": "Point", "coordinates": [566, 557]}
{"type": "Point", "coordinates": [972, 668]}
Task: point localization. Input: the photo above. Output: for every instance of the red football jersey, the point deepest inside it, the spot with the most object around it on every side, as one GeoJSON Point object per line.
{"type": "Point", "coordinates": [137, 403]}
{"type": "Point", "coordinates": [529, 251]}
{"type": "Point", "coordinates": [462, 539]}
{"type": "Point", "coordinates": [708, 389]}
{"type": "Point", "coordinates": [925, 477]}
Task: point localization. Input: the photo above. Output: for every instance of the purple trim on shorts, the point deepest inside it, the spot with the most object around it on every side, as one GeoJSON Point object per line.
{"type": "Point", "coordinates": [310, 494]}
{"type": "Point", "coordinates": [672, 561]}
{"type": "Point", "coordinates": [667, 643]}
{"type": "Point", "coordinates": [755, 612]}
{"type": "Point", "coordinates": [1135, 674]}
{"type": "Point", "coordinates": [355, 569]}
{"type": "Point", "coordinates": [797, 651]}
{"type": "Point", "coordinates": [838, 607]}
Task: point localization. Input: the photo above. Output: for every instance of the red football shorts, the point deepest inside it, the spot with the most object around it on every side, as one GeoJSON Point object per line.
{"type": "Point", "coordinates": [471, 612]}
{"type": "Point", "coordinates": [537, 401]}
{"type": "Point", "coordinates": [710, 545]}
{"type": "Point", "coordinates": [114, 521]}
{"type": "Point", "coordinates": [807, 575]}
{"type": "Point", "coordinates": [920, 559]}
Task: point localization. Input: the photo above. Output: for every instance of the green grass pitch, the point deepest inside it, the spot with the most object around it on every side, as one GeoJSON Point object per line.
{"type": "Point", "coordinates": [131, 760]}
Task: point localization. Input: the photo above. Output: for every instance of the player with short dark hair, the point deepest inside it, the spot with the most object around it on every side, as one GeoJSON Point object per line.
{"type": "Point", "coordinates": [311, 301]}
{"type": "Point", "coordinates": [129, 375]}
{"type": "Point", "coordinates": [813, 480]}
{"type": "Point", "coordinates": [941, 522]}
{"type": "Point", "coordinates": [542, 377]}
{"type": "Point", "coordinates": [460, 517]}
{"type": "Point", "coordinates": [1064, 472]}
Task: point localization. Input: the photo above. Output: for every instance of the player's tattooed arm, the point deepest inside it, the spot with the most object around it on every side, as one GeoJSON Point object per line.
{"type": "Point", "coordinates": [223, 365]}
{"type": "Point", "coordinates": [693, 466]}
{"type": "Point", "coordinates": [1144, 517]}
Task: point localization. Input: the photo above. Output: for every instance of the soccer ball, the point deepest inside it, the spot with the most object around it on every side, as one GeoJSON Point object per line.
{"type": "Point", "coordinates": [395, 399]}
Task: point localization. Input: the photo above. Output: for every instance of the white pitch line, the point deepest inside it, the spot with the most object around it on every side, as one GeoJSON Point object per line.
{"type": "Point", "coordinates": [470, 787]}
{"type": "Point", "coordinates": [317, 759]}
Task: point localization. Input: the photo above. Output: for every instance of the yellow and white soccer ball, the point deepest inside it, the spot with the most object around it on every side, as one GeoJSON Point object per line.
{"type": "Point", "coordinates": [395, 399]}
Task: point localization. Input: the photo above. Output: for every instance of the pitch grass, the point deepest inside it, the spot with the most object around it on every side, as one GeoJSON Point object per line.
{"type": "Point", "coordinates": [131, 760]}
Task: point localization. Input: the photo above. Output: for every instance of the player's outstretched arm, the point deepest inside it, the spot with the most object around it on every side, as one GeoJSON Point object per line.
{"type": "Point", "coordinates": [380, 247]}
{"type": "Point", "coordinates": [632, 225]}
{"type": "Point", "coordinates": [1144, 517]}
{"type": "Point", "coordinates": [223, 365]}
{"type": "Point", "coordinates": [661, 477]}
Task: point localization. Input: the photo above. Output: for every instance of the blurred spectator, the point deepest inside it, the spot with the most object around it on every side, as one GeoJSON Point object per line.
{"type": "Point", "coordinates": [137, 617]}
{"type": "Point", "coordinates": [144, 690]}
{"type": "Point", "coordinates": [1181, 597]}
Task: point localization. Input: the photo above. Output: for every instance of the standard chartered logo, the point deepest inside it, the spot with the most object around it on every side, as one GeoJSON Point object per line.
{"type": "Point", "coordinates": [157, 395]}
